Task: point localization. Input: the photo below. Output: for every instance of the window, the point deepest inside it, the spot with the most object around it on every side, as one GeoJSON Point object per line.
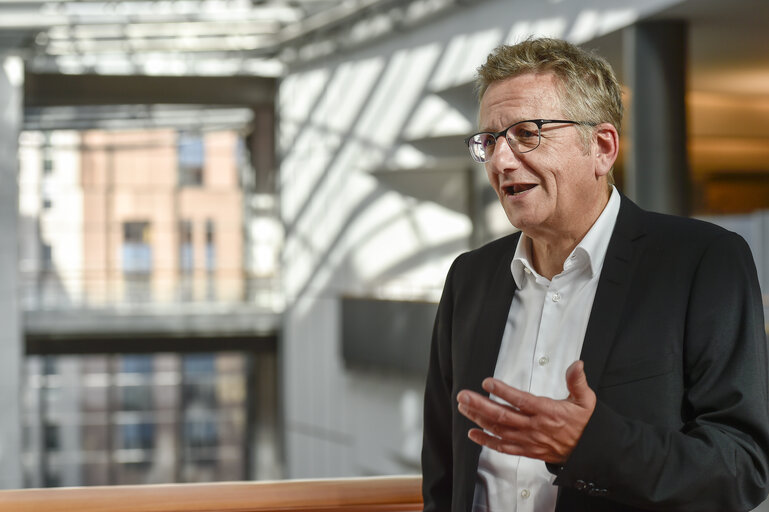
{"type": "Point", "coordinates": [198, 364]}
{"type": "Point", "coordinates": [47, 161]}
{"type": "Point", "coordinates": [191, 151]}
{"type": "Point", "coordinates": [51, 437]}
{"type": "Point", "coordinates": [136, 436]}
{"type": "Point", "coordinates": [52, 478]}
{"type": "Point", "coordinates": [141, 363]}
{"type": "Point", "coordinates": [46, 255]}
{"type": "Point", "coordinates": [210, 246]}
{"type": "Point", "coordinates": [210, 259]}
{"type": "Point", "coordinates": [137, 252]}
{"type": "Point", "coordinates": [50, 366]}
{"type": "Point", "coordinates": [136, 260]}
{"type": "Point", "coordinates": [186, 261]}
{"type": "Point", "coordinates": [199, 373]}
{"type": "Point", "coordinates": [201, 432]}
{"type": "Point", "coordinates": [186, 248]}
{"type": "Point", "coordinates": [135, 397]}
{"type": "Point", "coordinates": [136, 384]}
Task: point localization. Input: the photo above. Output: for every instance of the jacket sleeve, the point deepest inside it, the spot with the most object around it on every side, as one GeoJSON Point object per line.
{"type": "Point", "coordinates": [437, 457]}
{"type": "Point", "coordinates": [718, 459]}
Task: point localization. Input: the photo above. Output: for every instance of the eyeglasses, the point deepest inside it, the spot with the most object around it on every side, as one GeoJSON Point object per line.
{"type": "Point", "coordinates": [523, 136]}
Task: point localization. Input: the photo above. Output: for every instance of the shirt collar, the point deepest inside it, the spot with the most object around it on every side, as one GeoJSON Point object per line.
{"type": "Point", "coordinates": [591, 249]}
{"type": "Point", "coordinates": [521, 263]}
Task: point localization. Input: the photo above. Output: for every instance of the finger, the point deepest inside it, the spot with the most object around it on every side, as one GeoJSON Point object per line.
{"type": "Point", "coordinates": [483, 438]}
{"type": "Point", "coordinates": [466, 396]}
{"type": "Point", "coordinates": [482, 409]}
{"type": "Point", "coordinates": [576, 383]}
{"type": "Point", "coordinates": [482, 404]}
{"type": "Point", "coordinates": [520, 400]}
{"type": "Point", "coordinates": [516, 447]}
{"type": "Point", "coordinates": [506, 424]}
{"type": "Point", "coordinates": [489, 413]}
{"type": "Point", "coordinates": [474, 399]}
{"type": "Point", "coordinates": [501, 445]}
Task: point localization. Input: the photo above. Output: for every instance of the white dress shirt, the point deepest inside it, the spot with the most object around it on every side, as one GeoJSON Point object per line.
{"type": "Point", "coordinates": [543, 335]}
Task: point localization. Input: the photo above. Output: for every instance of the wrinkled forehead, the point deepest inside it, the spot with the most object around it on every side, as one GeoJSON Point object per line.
{"type": "Point", "coordinates": [525, 96]}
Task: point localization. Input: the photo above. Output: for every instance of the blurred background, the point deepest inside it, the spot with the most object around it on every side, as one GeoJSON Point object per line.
{"type": "Point", "coordinates": [226, 223]}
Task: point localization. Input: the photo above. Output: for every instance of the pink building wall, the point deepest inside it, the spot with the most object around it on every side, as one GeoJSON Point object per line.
{"type": "Point", "coordinates": [133, 177]}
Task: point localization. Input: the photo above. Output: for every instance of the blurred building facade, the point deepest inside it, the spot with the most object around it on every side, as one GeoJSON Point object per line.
{"type": "Point", "coordinates": [131, 217]}
{"type": "Point", "coordinates": [135, 419]}
{"type": "Point", "coordinates": [130, 221]}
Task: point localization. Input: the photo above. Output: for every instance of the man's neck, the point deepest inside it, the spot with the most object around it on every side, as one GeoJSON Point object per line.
{"type": "Point", "coordinates": [549, 251]}
{"type": "Point", "coordinates": [548, 258]}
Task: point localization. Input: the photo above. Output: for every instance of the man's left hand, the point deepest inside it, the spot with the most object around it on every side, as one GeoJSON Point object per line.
{"type": "Point", "coordinates": [528, 425]}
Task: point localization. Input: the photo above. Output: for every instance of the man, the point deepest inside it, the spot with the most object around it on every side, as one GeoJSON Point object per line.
{"type": "Point", "coordinates": [604, 358]}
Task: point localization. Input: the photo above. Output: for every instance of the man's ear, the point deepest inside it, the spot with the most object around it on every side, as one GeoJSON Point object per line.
{"type": "Point", "coordinates": [606, 140]}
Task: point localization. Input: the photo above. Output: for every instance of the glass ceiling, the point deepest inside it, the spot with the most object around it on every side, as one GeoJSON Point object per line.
{"type": "Point", "coordinates": [170, 37]}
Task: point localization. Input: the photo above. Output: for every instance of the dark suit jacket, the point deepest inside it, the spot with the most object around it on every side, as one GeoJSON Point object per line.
{"type": "Point", "coordinates": [675, 350]}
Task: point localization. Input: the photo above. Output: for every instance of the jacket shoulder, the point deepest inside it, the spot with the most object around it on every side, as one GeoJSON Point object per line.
{"type": "Point", "coordinates": [480, 268]}
{"type": "Point", "coordinates": [685, 231]}
{"type": "Point", "coordinates": [669, 229]}
{"type": "Point", "coordinates": [494, 250]}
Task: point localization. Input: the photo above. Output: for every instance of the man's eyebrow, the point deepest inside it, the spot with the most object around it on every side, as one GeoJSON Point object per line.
{"type": "Point", "coordinates": [506, 124]}
{"type": "Point", "coordinates": [491, 129]}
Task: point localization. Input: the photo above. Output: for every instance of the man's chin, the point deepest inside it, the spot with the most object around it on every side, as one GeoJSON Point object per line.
{"type": "Point", "coordinates": [519, 216]}
{"type": "Point", "coordinates": [520, 222]}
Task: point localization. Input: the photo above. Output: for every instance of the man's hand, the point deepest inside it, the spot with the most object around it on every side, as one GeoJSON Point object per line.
{"type": "Point", "coordinates": [528, 425]}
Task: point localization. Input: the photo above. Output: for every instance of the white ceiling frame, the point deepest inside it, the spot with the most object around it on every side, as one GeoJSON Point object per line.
{"type": "Point", "coordinates": [93, 36]}
{"type": "Point", "coordinates": [149, 30]}
{"type": "Point", "coordinates": [224, 43]}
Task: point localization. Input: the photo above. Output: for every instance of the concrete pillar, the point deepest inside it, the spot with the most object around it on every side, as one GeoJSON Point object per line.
{"type": "Point", "coordinates": [11, 350]}
{"type": "Point", "coordinates": [656, 162]}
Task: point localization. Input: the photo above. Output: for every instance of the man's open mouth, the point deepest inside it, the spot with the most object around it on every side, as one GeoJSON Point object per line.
{"type": "Point", "coordinates": [516, 189]}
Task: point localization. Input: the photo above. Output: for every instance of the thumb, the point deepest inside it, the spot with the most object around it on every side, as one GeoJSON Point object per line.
{"type": "Point", "coordinates": [576, 382]}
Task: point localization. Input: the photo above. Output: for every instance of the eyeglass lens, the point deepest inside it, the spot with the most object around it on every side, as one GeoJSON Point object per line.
{"type": "Point", "coordinates": [522, 137]}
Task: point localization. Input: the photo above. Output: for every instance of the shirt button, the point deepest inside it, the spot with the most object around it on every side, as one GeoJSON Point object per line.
{"type": "Point", "coordinates": [526, 269]}
{"type": "Point", "coordinates": [543, 360]}
{"type": "Point", "coordinates": [556, 297]}
{"type": "Point", "coordinates": [525, 493]}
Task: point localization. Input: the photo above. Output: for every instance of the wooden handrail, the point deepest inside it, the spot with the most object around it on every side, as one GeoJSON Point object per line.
{"type": "Point", "coordinates": [380, 494]}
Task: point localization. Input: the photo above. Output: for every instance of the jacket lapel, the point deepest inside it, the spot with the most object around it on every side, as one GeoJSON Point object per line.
{"type": "Point", "coordinates": [491, 321]}
{"type": "Point", "coordinates": [612, 292]}
{"type": "Point", "coordinates": [482, 357]}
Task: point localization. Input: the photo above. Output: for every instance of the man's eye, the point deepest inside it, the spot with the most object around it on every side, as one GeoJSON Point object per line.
{"type": "Point", "coordinates": [525, 133]}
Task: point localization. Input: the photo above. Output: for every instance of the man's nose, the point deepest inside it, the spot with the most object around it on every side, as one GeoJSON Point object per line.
{"type": "Point", "coordinates": [504, 159]}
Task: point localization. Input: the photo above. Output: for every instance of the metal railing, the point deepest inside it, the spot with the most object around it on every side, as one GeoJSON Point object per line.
{"type": "Point", "coordinates": [58, 291]}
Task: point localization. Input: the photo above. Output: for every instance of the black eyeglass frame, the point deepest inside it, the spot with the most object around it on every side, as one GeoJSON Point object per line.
{"type": "Point", "coordinates": [538, 122]}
